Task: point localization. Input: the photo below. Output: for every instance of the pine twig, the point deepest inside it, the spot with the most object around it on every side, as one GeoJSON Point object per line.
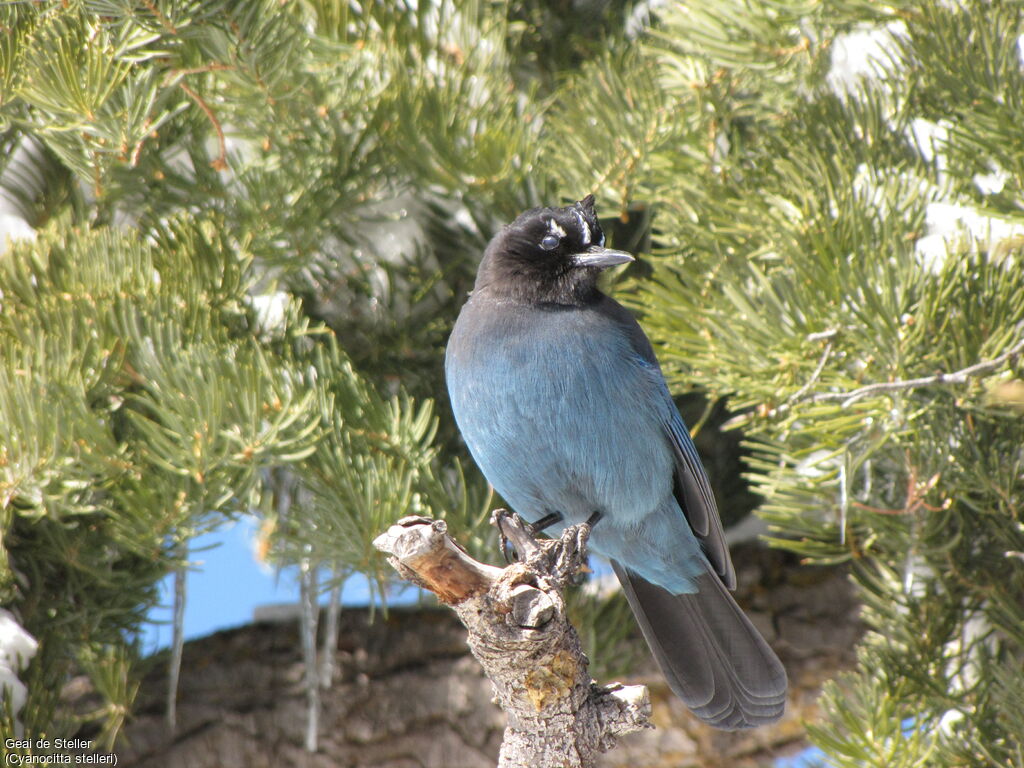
{"type": "Point", "coordinates": [955, 377]}
{"type": "Point", "coordinates": [164, 21]}
{"type": "Point", "coordinates": [221, 161]}
{"type": "Point", "coordinates": [799, 394]}
{"type": "Point", "coordinates": [309, 616]}
{"type": "Point", "coordinates": [519, 633]}
{"type": "Point", "coordinates": [330, 641]}
{"type": "Point", "coordinates": [177, 643]}
{"type": "Point", "coordinates": [849, 398]}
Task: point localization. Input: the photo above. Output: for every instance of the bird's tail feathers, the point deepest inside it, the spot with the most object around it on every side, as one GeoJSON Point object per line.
{"type": "Point", "coordinates": [712, 656]}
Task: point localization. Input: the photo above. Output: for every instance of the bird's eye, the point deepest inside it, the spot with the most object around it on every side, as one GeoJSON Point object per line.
{"type": "Point", "coordinates": [550, 242]}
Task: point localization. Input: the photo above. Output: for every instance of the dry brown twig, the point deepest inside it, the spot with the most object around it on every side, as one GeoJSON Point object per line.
{"type": "Point", "coordinates": [518, 631]}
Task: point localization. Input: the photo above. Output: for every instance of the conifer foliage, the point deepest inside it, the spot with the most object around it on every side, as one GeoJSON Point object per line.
{"type": "Point", "coordinates": [846, 270]}
{"type": "Point", "coordinates": [252, 223]}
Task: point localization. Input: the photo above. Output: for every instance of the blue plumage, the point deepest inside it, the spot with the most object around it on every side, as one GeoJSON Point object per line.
{"type": "Point", "coordinates": [561, 401]}
{"type": "Point", "coordinates": [521, 418]}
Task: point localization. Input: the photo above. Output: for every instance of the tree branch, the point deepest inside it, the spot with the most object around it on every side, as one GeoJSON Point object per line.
{"type": "Point", "coordinates": [799, 394]}
{"type": "Point", "coordinates": [849, 398]}
{"type": "Point", "coordinates": [518, 631]}
{"type": "Point", "coordinates": [956, 377]}
{"type": "Point", "coordinates": [220, 162]}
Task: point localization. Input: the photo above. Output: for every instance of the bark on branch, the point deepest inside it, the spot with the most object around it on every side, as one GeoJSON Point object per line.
{"type": "Point", "coordinates": [557, 716]}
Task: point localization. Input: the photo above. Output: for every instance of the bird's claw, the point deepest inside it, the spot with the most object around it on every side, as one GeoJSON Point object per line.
{"type": "Point", "coordinates": [571, 557]}
{"type": "Point", "coordinates": [500, 518]}
{"type": "Point", "coordinates": [518, 540]}
{"type": "Point", "coordinates": [508, 552]}
{"type": "Point", "coordinates": [514, 531]}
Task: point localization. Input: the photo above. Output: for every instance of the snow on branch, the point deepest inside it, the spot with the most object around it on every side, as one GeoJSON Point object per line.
{"type": "Point", "coordinates": [519, 632]}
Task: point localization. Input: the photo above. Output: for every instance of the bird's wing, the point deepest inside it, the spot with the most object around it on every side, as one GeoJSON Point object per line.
{"type": "Point", "coordinates": [693, 492]}
{"type": "Point", "coordinates": [692, 488]}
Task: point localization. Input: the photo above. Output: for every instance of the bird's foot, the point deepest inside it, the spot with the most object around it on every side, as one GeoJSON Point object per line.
{"type": "Point", "coordinates": [551, 518]}
{"type": "Point", "coordinates": [516, 537]}
{"type": "Point", "coordinates": [571, 553]}
{"type": "Point", "coordinates": [572, 560]}
{"type": "Point", "coordinates": [521, 535]}
{"type": "Point", "coordinates": [568, 552]}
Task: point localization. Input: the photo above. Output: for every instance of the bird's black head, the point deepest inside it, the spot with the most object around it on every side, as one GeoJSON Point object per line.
{"type": "Point", "coordinates": [549, 256]}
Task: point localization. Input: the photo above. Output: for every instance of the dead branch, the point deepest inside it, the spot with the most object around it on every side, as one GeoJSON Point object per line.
{"type": "Point", "coordinates": [518, 631]}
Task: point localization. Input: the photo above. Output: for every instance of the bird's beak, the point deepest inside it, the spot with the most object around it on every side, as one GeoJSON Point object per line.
{"type": "Point", "coordinates": [600, 257]}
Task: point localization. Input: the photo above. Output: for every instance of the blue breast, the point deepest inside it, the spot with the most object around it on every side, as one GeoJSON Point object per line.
{"type": "Point", "coordinates": [561, 415]}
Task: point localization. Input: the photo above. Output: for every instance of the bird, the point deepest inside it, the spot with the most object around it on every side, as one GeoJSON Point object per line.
{"type": "Point", "coordinates": [563, 406]}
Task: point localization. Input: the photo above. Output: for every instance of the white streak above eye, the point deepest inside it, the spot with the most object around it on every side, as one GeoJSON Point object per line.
{"type": "Point", "coordinates": [555, 229]}
{"type": "Point", "coordinates": [584, 228]}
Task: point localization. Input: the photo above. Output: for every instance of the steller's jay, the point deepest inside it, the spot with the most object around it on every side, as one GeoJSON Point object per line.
{"type": "Point", "coordinates": [563, 405]}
